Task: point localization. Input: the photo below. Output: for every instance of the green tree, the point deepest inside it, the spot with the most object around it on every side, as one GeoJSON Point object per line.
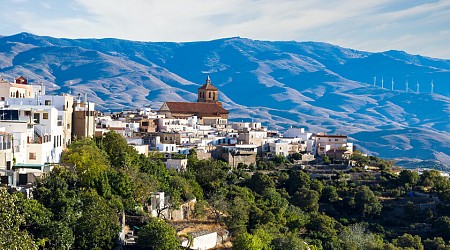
{"type": "Point", "coordinates": [98, 224]}
{"type": "Point", "coordinates": [59, 235]}
{"type": "Point", "coordinates": [324, 228]}
{"type": "Point", "coordinates": [238, 215]}
{"type": "Point", "coordinates": [210, 174]}
{"type": "Point", "coordinates": [297, 179]}
{"type": "Point", "coordinates": [306, 199]}
{"type": "Point", "coordinates": [430, 178]}
{"type": "Point", "coordinates": [357, 237]}
{"type": "Point", "coordinates": [121, 183]}
{"type": "Point", "coordinates": [442, 227]}
{"type": "Point", "coordinates": [329, 194]}
{"type": "Point", "coordinates": [296, 218]}
{"type": "Point", "coordinates": [144, 185]}
{"type": "Point", "coordinates": [120, 154]}
{"type": "Point", "coordinates": [408, 178]}
{"type": "Point", "coordinates": [360, 159]}
{"type": "Point", "coordinates": [409, 241]}
{"type": "Point", "coordinates": [316, 185]}
{"type": "Point", "coordinates": [289, 241]}
{"type": "Point", "coordinates": [57, 192]}
{"type": "Point", "coordinates": [88, 160]}
{"type": "Point", "coordinates": [189, 189]}
{"type": "Point", "coordinates": [219, 205]}
{"type": "Point", "coordinates": [159, 235]}
{"type": "Point", "coordinates": [259, 181]}
{"type": "Point", "coordinates": [411, 211]}
{"type": "Point", "coordinates": [246, 241]}
{"type": "Point", "coordinates": [366, 203]}
{"type": "Point", "coordinates": [54, 234]}
{"type": "Point", "coordinates": [437, 243]}
{"type": "Point", "coordinates": [326, 159]}
{"type": "Point", "coordinates": [11, 219]}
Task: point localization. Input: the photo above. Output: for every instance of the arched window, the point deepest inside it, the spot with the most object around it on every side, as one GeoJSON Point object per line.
{"type": "Point", "coordinates": [17, 94]}
{"type": "Point", "coordinates": [209, 94]}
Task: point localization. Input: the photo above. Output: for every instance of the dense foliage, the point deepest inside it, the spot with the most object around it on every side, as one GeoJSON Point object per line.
{"type": "Point", "coordinates": [79, 204]}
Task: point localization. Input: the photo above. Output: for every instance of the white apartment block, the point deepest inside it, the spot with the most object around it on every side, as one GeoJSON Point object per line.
{"type": "Point", "coordinates": [239, 126]}
{"type": "Point", "coordinates": [172, 124]}
{"type": "Point", "coordinates": [62, 103]}
{"type": "Point", "coordinates": [254, 137]}
{"type": "Point", "coordinates": [324, 143]}
{"type": "Point", "coordinates": [283, 147]}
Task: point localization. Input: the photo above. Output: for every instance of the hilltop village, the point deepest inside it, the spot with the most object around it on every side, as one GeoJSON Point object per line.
{"type": "Point", "coordinates": [36, 128]}
{"type": "Point", "coordinates": [185, 176]}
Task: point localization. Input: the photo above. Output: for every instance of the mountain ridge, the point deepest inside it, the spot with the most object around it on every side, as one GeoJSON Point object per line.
{"type": "Point", "coordinates": [320, 86]}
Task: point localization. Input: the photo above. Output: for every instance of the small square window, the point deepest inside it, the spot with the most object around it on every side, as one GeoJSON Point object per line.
{"type": "Point", "coordinates": [32, 156]}
{"type": "Point", "coordinates": [45, 116]}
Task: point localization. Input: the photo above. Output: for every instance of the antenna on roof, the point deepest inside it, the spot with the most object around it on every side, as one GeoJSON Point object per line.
{"type": "Point", "coordinates": [70, 87]}
{"type": "Point", "coordinates": [432, 86]}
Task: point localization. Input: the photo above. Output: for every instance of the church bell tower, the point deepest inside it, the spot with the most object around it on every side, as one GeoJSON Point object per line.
{"type": "Point", "coordinates": [208, 93]}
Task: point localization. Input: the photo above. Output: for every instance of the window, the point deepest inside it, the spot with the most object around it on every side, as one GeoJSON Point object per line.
{"type": "Point", "coordinates": [45, 116]}
{"type": "Point", "coordinates": [36, 117]}
{"type": "Point", "coordinates": [48, 102]}
{"type": "Point", "coordinates": [32, 156]}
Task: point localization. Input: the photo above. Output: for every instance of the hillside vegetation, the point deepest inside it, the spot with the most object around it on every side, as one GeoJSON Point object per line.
{"type": "Point", "coordinates": [271, 205]}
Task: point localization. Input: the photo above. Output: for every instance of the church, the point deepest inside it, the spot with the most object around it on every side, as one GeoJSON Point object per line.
{"type": "Point", "coordinates": [208, 109]}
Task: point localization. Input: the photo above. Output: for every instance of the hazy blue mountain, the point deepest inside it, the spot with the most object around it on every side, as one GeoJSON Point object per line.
{"type": "Point", "coordinates": [316, 85]}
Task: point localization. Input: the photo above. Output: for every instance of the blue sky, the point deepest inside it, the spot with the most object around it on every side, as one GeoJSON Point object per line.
{"type": "Point", "coordinates": [418, 27]}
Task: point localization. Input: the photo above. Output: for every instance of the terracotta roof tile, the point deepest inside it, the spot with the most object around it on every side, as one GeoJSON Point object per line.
{"type": "Point", "coordinates": [208, 86]}
{"type": "Point", "coordinates": [199, 108]}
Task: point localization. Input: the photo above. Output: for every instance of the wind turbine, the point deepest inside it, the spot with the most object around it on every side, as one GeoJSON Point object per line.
{"type": "Point", "coordinates": [417, 85]}
{"type": "Point", "coordinates": [374, 81]}
{"type": "Point", "coordinates": [382, 82]}
{"type": "Point", "coordinates": [432, 86]}
{"type": "Point", "coordinates": [406, 86]}
{"type": "Point", "coordinates": [392, 84]}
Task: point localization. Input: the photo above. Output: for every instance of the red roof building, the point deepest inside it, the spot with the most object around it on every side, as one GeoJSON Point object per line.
{"type": "Point", "coordinates": [207, 106]}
